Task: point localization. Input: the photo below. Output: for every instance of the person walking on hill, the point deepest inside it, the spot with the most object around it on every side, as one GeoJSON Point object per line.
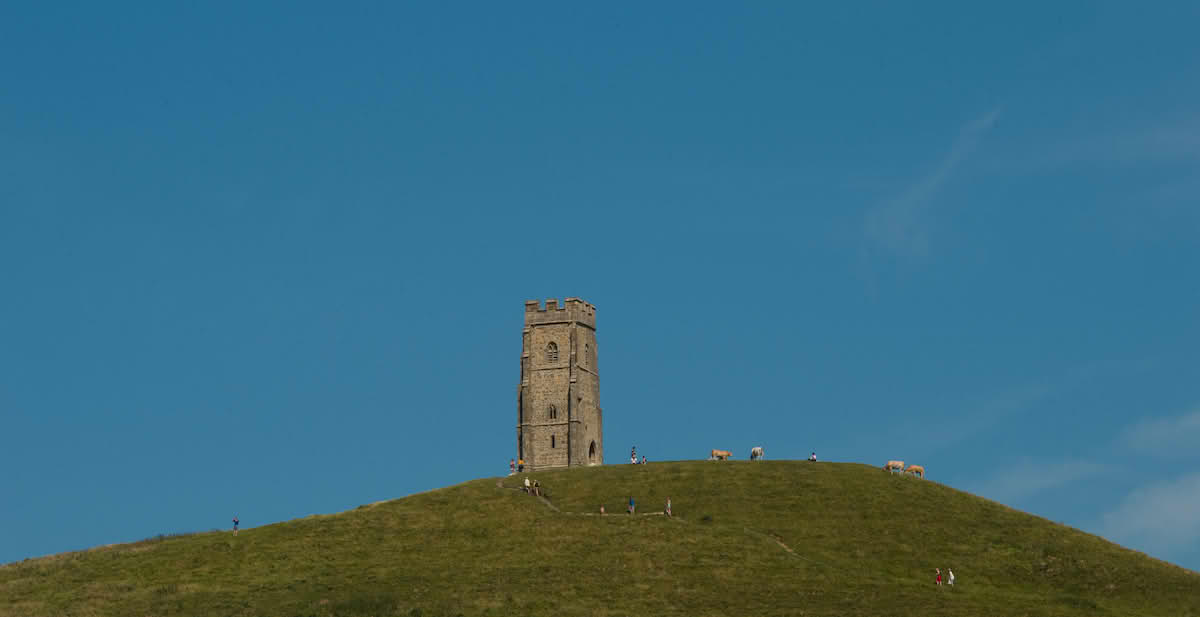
{"type": "Point", "coordinates": [812, 458]}
{"type": "Point", "coordinates": [643, 459]}
{"type": "Point", "coordinates": [537, 488]}
{"type": "Point", "coordinates": [668, 510]}
{"type": "Point", "coordinates": [512, 467]}
{"type": "Point", "coordinates": [601, 509]}
{"type": "Point", "coordinates": [521, 465]}
{"type": "Point", "coordinates": [632, 505]}
{"type": "Point", "coordinates": [235, 524]}
{"type": "Point", "coordinates": [527, 486]}
{"type": "Point", "coordinates": [939, 576]}
{"type": "Point", "coordinates": [950, 578]}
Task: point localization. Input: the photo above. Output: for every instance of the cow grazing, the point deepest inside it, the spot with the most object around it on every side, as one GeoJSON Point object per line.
{"type": "Point", "coordinates": [894, 466]}
{"type": "Point", "coordinates": [916, 470]}
{"type": "Point", "coordinates": [756, 453]}
{"type": "Point", "coordinates": [720, 455]}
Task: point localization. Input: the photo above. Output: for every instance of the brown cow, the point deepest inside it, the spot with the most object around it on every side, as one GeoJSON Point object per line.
{"type": "Point", "coordinates": [720, 455]}
{"type": "Point", "coordinates": [894, 466]}
{"type": "Point", "coordinates": [916, 470]}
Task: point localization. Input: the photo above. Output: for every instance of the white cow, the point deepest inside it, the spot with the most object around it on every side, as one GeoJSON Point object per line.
{"type": "Point", "coordinates": [756, 453]}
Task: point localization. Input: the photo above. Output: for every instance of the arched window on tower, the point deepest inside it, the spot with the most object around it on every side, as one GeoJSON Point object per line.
{"type": "Point", "coordinates": [553, 412]}
{"type": "Point", "coordinates": [551, 352]}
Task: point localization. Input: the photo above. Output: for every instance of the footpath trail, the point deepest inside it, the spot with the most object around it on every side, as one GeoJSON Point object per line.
{"type": "Point", "coordinates": [549, 504]}
{"type": "Point", "coordinates": [751, 532]}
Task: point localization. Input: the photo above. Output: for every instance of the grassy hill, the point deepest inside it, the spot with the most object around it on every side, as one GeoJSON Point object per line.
{"type": "Point", "coordinates": [769, 538]}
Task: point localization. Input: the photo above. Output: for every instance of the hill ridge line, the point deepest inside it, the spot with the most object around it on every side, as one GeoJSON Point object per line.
{"type": "Point", "coordinates": [851, 541]}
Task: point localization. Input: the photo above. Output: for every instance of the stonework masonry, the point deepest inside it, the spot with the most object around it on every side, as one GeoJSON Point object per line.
{"type": "Point", "coordinates": [559, 422]}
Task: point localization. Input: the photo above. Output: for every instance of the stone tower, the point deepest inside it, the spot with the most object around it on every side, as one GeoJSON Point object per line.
{"type": "Point", "coordinates": [559, 423]}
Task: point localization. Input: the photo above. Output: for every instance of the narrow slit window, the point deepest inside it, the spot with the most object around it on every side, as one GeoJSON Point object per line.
{"type": "Point", "coordinates": [552, 441]}
{"type": "Point", "coordinates": [587, 355]}
{"type": "Point", "coordinates": [553, 412]}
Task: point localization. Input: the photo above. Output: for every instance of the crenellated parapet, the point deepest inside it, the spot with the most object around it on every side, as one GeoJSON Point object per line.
{"type": "Point", "coordinates": [572, 309]}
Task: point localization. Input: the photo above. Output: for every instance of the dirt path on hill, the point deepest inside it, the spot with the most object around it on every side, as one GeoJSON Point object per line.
{"type": "Point", "coordinates": [772, 538]}
{"type": "Point", "coordinates": [543, 499]}
{"type": "Point", "coordinates": [754, 532]}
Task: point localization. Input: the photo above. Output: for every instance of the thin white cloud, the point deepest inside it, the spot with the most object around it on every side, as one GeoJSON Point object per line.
{"type": "Point", "coordinates": [1178, 436]}
{"type": "Point", "coordinates": [1159, 518]}
{"type": "Point", "coordinates": [900, 225]}
{"type": "Point", "coordinates": [965, 420]}
{"type": "Point", "coordinates": [999, 410]}
{"type": "Point", "coordinates": [1022, 479]}
{"type": "Point", "coordinates": [1171, 141]}
{"type": "Point", "coordinates": [1171, 146]}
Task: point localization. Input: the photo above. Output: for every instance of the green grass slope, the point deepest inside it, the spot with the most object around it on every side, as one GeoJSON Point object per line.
{"type": "Point", "coordinates": [769, 538]}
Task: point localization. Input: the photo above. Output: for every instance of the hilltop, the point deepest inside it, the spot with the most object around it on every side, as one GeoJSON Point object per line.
{"type": "Point", "coordinates": [766, 538]}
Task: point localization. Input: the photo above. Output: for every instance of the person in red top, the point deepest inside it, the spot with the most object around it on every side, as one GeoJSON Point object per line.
{"type": "Point", "coordinates": [939, 575]}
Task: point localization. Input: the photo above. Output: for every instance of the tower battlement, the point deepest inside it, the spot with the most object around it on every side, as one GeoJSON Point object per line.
{"type": "Point", "coordinates": [572, 309]}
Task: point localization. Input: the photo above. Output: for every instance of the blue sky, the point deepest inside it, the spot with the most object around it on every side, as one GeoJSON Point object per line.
{"type": "Point", "coordinates": [272, 260]}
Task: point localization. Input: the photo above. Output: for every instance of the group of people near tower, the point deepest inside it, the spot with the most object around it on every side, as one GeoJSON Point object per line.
{"type": "Point", "coordinates": [534, 489]}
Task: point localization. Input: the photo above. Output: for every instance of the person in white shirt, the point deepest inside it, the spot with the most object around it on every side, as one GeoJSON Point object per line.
{"type": "Point", "coordinates": [951, 573]}
{"type": "Point", "coordinates": [526, 484]}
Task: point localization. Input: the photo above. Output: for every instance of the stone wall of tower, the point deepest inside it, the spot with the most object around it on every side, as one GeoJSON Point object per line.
{"type": "Point", "coordinates": [559, 420]}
